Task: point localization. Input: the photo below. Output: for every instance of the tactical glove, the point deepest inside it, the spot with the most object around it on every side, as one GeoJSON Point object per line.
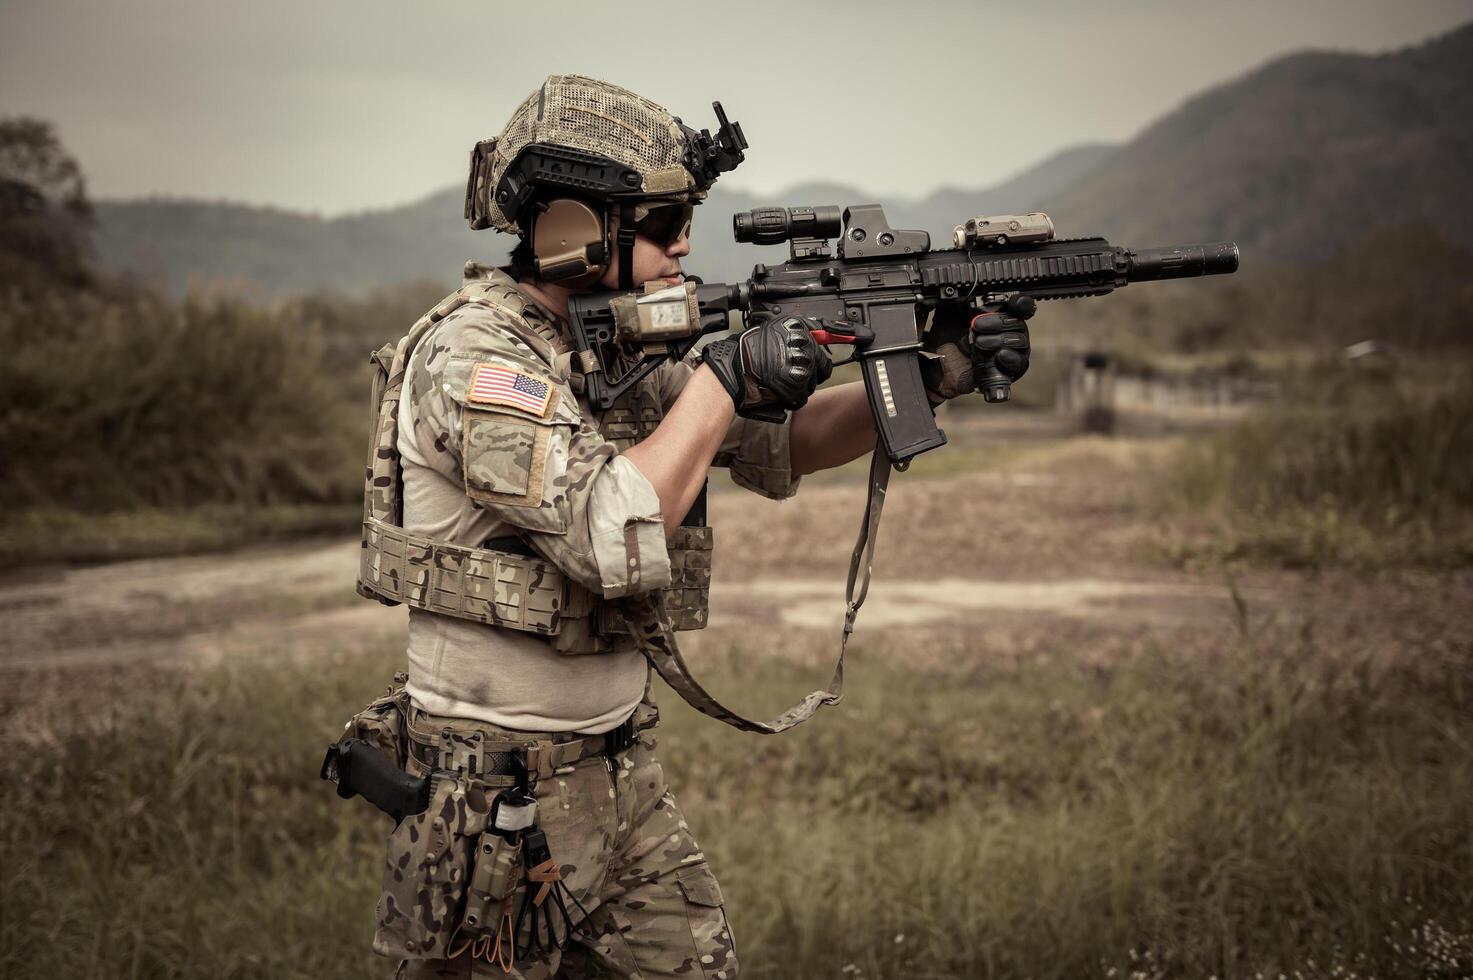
{"type": "Point", "coordinates": [771, 367]}
{"type": "Point", "coordinates": [969, 348]}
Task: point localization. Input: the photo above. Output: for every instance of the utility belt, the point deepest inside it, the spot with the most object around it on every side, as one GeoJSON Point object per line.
{"type": "Point", "coordinates": [497, 756]}
{"type": "Point", "coordinates": [512, 587]}
{"type": "Point", "coordinates": [468, 868]}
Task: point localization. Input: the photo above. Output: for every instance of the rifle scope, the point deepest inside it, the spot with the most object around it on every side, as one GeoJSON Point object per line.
{"type": "Point", "coordinates": [770, 226]}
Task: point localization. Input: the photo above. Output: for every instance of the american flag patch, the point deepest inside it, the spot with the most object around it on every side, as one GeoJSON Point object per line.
{"type": "Point", "coordinates": [496, 384]}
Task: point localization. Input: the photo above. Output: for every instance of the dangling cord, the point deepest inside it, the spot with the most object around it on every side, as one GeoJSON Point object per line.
{"type": "Point", "coordinates": [546, 875]}
{"type": "Point", "coordinates": [504, 953]}
{"type": "Point", "coordinates": [453, 951]}
{"type": "Point", "coordinates": [542, 936]}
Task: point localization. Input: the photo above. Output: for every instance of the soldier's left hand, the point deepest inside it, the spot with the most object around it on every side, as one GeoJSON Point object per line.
{"type": "Point", "coordinates": [1000, 338]}
{"type": "Point", "coordinates": [962, 342]}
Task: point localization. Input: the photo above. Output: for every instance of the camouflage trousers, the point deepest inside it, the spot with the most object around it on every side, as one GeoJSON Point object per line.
{"type": "Point", "coordinates": [654, 908]}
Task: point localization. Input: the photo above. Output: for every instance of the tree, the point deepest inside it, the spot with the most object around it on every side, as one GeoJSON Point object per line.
{"type": "Point", "coordinates": [45, 216]}
{"type": "Point", "coordinates": [32, 156]}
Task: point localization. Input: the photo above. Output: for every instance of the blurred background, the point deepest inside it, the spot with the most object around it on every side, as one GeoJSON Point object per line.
{"type": "Point", "coordinates": [1165, 672]}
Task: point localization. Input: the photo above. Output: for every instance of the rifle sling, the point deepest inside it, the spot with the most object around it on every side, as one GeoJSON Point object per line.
{"type": "Point", "coordinates": [650, 625]}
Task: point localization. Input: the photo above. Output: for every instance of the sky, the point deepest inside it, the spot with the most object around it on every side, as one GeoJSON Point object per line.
{"type": "Point", "coordinates": [333, 107]}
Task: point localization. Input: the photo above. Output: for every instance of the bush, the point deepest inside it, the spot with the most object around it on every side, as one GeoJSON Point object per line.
{"type": "Point", "coordinates": [121, 399]}
{"type": "Point", "coordinates": [1358, 465]}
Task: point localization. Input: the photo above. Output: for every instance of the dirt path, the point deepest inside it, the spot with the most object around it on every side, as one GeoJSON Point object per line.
{"type": "Point", "coordinates": [1037, 542]}
{"type": "Point", "coordinates": [1047, 542]}
{"type": "Point", "coordinates": [146, 608]}
{"type": "Point", "coordinates": [1017, 537]}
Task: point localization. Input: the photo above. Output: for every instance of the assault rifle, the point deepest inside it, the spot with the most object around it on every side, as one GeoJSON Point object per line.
{"type": "Point", "coordinates": [873, 292]}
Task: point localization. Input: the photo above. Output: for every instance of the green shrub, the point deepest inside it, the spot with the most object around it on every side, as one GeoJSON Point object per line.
{"type": "Point", "coordinates": [121, 399]}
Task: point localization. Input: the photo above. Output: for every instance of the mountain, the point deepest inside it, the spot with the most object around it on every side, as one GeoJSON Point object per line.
{"type": "Point", "coordinates": [1026, 191]}
{"type": "Point", "coordinates": [1292, 161]}
{"type": "Point", "coordinates": [181, 244]}
{"type": "Point", "coordinates": [1297, 158]}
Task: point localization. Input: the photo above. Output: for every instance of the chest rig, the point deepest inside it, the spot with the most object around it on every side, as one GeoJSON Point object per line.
{"type": "Point", "coordinates": [506, 583]}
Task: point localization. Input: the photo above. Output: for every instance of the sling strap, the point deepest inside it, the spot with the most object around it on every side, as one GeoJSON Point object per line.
{"type": "Point", "coordinates": [650, 626]}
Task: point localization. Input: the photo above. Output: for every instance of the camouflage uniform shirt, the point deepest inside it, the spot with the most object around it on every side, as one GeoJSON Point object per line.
{"type": "Point", "coordinates": [556, 479]}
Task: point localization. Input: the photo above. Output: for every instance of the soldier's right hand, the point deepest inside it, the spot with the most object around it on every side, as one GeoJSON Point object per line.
{"type": "Point", "coordinates": [774, 365]}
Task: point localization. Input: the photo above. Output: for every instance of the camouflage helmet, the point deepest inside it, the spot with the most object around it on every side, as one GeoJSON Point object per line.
{"type": "Point", "coordinates": [578, 136]}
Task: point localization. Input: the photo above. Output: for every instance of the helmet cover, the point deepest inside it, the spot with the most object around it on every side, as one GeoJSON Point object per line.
{"type": "Point", "coordinates": [592, 117]}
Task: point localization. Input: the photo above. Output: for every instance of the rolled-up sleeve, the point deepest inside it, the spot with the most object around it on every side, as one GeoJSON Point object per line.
{"type": "Point", "coordinates": [627, 531]}
{"type": "Point", "coordinates": [759, 456]}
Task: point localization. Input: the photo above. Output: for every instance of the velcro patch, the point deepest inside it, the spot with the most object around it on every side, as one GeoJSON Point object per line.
{"type": "Point", "coordinates": [497, 384]}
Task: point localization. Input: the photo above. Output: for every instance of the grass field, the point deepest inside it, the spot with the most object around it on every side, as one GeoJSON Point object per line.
{"type": "Point", "coordinates": [1274, 808]}
{"type": "Point", "coordinates": [1358, 467]}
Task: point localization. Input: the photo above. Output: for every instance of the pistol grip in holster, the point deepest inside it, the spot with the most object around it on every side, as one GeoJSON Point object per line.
{"type": "Point", "coordinates": [360, 769]}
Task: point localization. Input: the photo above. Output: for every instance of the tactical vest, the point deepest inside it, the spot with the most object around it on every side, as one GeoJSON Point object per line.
{"type": "Point", "coordinates": [512, 589]}
{"type": "Point", "coordinates": [525, 592]}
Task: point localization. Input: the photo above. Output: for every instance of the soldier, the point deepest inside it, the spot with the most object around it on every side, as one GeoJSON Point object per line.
{"type": "Point", "coordinates": [516, 522]}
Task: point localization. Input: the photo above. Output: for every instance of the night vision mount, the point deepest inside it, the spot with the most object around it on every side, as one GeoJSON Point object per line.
{"type": "Point", "coordinates": [708, 157]}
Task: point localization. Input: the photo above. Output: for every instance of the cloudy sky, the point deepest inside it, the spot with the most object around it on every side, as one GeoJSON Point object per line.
{"type": "Point", "coordinates": [334, 106]}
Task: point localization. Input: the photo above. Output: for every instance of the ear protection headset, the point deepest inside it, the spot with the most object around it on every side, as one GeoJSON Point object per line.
{"type": "Point", "coordinates": [570, 238]}
{"type": "Point", "coordinates": [570, 242]}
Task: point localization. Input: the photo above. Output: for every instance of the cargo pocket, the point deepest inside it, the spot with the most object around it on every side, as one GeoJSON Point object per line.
{"type": "Point", "coordinates": [426, 871]}
{"type": "Point", "coordinates": [715, 948]}
{"type": "Point", "coordinates": [505, 457]}
{"type": "Point", "coordinates": [518, 465]}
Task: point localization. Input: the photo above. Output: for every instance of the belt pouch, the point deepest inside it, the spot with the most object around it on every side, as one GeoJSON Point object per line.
{"type": "Point", "coordinates": [688, 596]}
{"type": "Point", "coordinates": [381, 725]}
{"type": "Point", "coordinates": [496, 870]}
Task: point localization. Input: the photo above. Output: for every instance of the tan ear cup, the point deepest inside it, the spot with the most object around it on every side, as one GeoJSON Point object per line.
{"type": "Point", "coordinates": [568, 241]}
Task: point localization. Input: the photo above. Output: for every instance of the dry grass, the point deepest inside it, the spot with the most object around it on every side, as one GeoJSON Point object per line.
{"type": "Point", "coordinates": [1283, 804]}
{"type": "Point", "coordinates": [1359, 467]}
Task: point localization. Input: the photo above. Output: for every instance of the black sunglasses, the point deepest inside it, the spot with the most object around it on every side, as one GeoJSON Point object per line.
{"type": "Point", "coordinates": [665, 225]}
